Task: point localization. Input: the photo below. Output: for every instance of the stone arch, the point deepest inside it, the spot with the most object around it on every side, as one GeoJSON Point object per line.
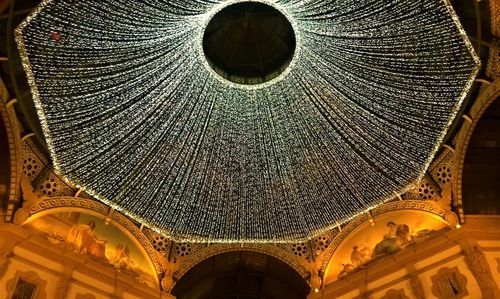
{"type": "Point", "coordinates": [9, 120]}
{"type": "Point", "coordinates": [217, 249]}
{"type": "Point", "coordinates": [483, 101]}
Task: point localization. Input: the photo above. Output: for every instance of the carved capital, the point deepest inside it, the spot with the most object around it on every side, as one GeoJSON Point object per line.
{"type": "Point", "coordinates": [62, 287]}
{"type": "Point", "coordinates": [167, 282]}
{"type": "Point", "coordinates": [416, 286]}
{"type": "Point", "coordinates": [477, 263]}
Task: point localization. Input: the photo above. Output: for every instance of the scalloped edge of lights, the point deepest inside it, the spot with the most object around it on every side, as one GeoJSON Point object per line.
{"type": "Point", "coordinates": [196, 239]}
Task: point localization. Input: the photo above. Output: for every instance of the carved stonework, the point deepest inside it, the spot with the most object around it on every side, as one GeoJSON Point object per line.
{"type": "Point", "coordinates": [52, 185]}
{"type": "Point", "coordinates": [426, 189]}
{"type": "Point", "coordinates": [482, 102]}
{"type": "Point", "coordinates": [493, 65]}
{"type": "Point", "coordinates": [495, 17]}
{"type": "Point", "coordinates": [395, 294]}
{"type": "Point", "coordinates": [160, 243]}
{"type": "Point", "coordinates": [476, 260]}
{"type": "Point", "coordinates": [32, 165]}
{"type": "Point", "coordinates": [4, 260]}
{"type": "Point", "coordinates": [62, 287]}
{"type": "Point", "coordinates": [449, 283]}
{"type": "Point", "coordinates": [440, 169]}
{"type": "Point", "coordinates": [416, 287]}
{"type": "Point", "coordinates": [30, 277]}
{"type": "Point", "coordinates": [9, 118]}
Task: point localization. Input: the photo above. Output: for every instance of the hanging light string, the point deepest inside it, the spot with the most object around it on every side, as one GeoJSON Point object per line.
{"type": "Point", "coordinates": [134, 115]}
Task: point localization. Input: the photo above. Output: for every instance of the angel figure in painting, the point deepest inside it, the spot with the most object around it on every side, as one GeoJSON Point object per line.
{"type": "Point", "coordinates": [79, 237]}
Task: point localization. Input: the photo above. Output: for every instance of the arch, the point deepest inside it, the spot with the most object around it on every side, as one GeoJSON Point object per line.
{"type": "Point", "coordinates": [73, 204]}
{"type": "Point", "coordinates": [242, 274]}
{"type": "Point", "coordinates": [483, 101]}
{"type": "Point", "coordinates": [428, 208]}
{"type": "Point", "coordinates": [216, 249]}
{"type": "Point", "coordinates": [9, 120]}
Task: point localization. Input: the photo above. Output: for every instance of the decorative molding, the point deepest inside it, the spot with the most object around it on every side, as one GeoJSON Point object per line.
{"type": "Point", "coordinates": [45, 205]}
{"type": "Point", "coordinates": [4, 260]}
{"type": "Point", "coordinates": [62, 287]}
{"type": "Point", "coordinates": [426, 206]}
{"type": "Point", "coordinates": [495, 17]}
{"type": "Point", "coordinates": [488, 95]}
{"type": "Point", "coordinates": [416, 286]}
{"type": "Point", "coordinates": [440, 169]}
{"type": "Point", "coordinates": [216, 249]}
{"type": "Point", "coordinates": [395, 294]}
{"type": "Point", "coordinates": [477, 263]}
{"type": "Point", "coordinates": [9, 118]}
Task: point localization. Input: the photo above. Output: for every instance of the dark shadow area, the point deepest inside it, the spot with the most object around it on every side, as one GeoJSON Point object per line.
{"type": "Point", "coordinates": [481, 174]}
{"type": "Point", "coordinates": [249, 42]}
{"type": "Point", "coordinates": [241, 275]}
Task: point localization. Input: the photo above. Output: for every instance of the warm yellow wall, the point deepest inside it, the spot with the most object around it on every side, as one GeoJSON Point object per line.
{"type": "Point", "coordinates": [423, 260]}
{"type": "Point", "coordinates": [369, 234]}
{"type": "Point", "coordinates": [30, 253]}
{"type": "Point", "coordinates": [471, 285]}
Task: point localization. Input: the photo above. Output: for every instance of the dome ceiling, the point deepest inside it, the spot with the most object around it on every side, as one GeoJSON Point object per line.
{"type": "Point", "coordinates": [136, 115]}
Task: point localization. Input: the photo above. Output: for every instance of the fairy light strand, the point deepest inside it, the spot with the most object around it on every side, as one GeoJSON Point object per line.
{"type": "Point", "coordinates": [134, 114]}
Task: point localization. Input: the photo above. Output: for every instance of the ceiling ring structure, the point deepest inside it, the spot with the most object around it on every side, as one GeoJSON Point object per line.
{"type": "Point", "coordinates": [134, 115]}
{"type": "Point", "coordinates": [249, 42]}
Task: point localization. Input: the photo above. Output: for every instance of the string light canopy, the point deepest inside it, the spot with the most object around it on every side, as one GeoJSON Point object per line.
{"type": "Point", "coordinates": [135, 113]}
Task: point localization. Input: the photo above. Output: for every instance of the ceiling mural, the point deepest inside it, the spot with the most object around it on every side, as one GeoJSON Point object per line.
{"type": "Point", "coordinates": [385, 234]}
{"type": "Point", "coordinates": [91, 236]}
{"type": "Point", "coordinates": [135, 114]}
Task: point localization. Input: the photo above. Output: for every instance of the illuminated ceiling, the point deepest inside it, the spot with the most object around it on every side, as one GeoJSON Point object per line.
{"type": "Point", "coordinates": [134, 114]}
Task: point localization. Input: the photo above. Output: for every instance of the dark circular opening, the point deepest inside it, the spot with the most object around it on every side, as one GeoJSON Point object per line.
{"type": "Point", "coordinates": [249, 42]}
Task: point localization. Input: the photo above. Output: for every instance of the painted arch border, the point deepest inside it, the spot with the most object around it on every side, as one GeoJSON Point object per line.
{"type": "Point", "coordinates": [77, 204]}
{"type": "Point", "coordinates": [432, 208]}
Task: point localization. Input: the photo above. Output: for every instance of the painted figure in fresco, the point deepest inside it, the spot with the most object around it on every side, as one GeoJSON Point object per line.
{"type": "Point", "coordinates": [81, 238]}
{"type": "Point", "coordinates": [399, 235]}
{"type": "Point", "coordinates": [360, 256]}
{"type": "Point", "coordinates": [346, 269]}
{"type": "Point", "coordinates": [122, 260]}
